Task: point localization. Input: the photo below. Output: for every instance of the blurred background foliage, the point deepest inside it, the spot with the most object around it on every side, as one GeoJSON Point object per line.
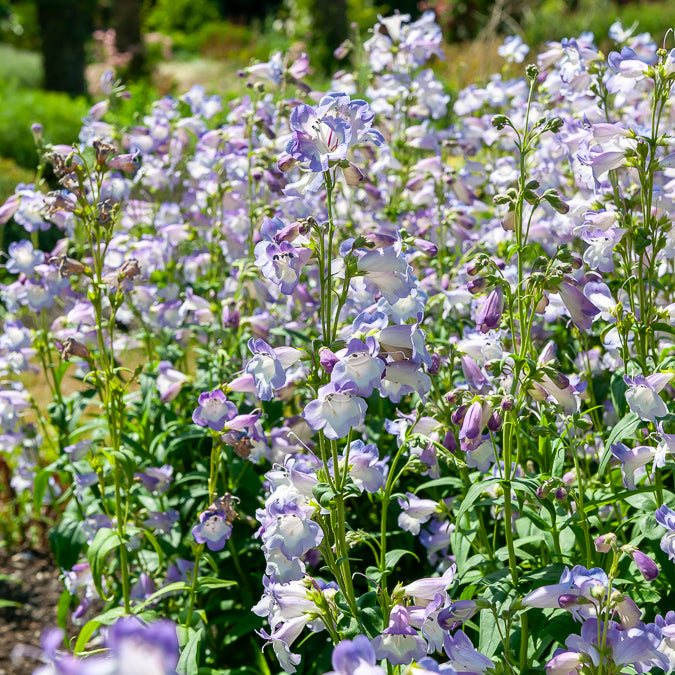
{"type": "Point", "coordinates": [52, 52]}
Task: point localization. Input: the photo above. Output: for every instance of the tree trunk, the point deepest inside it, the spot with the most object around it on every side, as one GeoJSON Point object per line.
{"type": "Point", "coordinates": [65, 28]}
{"type": "Point", "coordinates": [126, 20]}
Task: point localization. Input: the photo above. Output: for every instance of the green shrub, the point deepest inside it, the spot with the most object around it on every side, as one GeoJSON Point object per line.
{"type": "Point", "coordinates": [185, 16]}
{"type": "Point", "coordinates": [552, 20]}
{"type": "Point", "coordinates": [20, 66]}
{"type": "Point", "coordinates": [60, 115]}
{"type": "Point", "coordinates": [11, 174]}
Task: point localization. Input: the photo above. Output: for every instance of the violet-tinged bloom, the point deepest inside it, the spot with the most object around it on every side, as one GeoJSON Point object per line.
{"type": "Point", "coordinates": [318, 140]}
{"type": "Point", "coordinates": [456, 613]}
{"type": "Point", "coordinates": [464, 657]}
{"type": "Point", "coordinates": [402, 378]}
{"type": "Point", "coordinates": [266, 369]}
{"type": "Point", "coordinates": [169, 381]}
{"type": "Point", "coordinates": [144, 649]}
{"type": "Point", "coordinates": [666, 518]}
{"type": "Point", "coordinates": [399, 643]}
{"type": "Point", "coordinates": [385, 270]}
{"type": "Point", "coordinates": [23, 257]}
{"type": "Point", "coordinates": [214, 410]}
{"type": "Point", "coordinates": [360, 365]}
{"type": "Point", "coordinates": [281, 263]}
{"type": "Point", "coordinates": [336, 410]}
{"type": "Point", "coordinates": [581, 309]}
{"type": "Point", "coordinates": [365, 467]}
{"type": "Point", "coordinates": [292, 532]}
{"type": "Point", "coordinates": [474, 376]}
{"type": "Point", "coordinates": [156, 479]}
{"type": "Point", "coordinates": [404, 342]}
{"type": "Point", "coordinates": [514, 50]}
{"type": "Point", "coordinates": [425, 590]}
{"type": "Point", "coordinates": [491, 310]}
{"type": "Point", "coordinates": [142, 589]}
{"type": "Point", "coordinates": [643, 397]}
{"type": "Point", "coordinates": [565, 663]}
{"type": "Point", "coordinates": [355, 657]}
{"type": "Point", "coordinates": [214, 529]}
{"type": "Point", "coordinates": [415, 512]}
{"type": "Point", "coordinates": [633, 461]}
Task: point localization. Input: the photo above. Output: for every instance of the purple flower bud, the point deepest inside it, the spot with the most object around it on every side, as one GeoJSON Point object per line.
{"type": "Point", "coordinates": [568, 600]}
{"type": "Point", "coordinates": [426, 247]}
{"type": "Point", "coordinates": [494, 422]}
{"type": "Point", "coordinates": [507, 404]}
{"type": "Point", "coordinates": [475, 286]}
{"type": "Point", "coordinates": [561, 494]}
{"type": "Point", "coordinates": [327, 359]}
{"type": "Point", "coordinates": [36, 129]}
{"type": "Point", "coordinates": [490, 313]}
{"type": "Point", "coordinates": [450, 442]}
{"type": "Point", "coordinates": [605, 542]}
{"type": "Point", "coordinates": [457, 416]}
{"type": "Point", "coordinates": [648, 568]}
{"type": "Point", "coordinates": [435, 365]}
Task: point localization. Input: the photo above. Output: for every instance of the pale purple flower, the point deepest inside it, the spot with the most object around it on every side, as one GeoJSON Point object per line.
{"type": "Point", "coordinates": [399, 643]}
{"type": "Point", "coordinates": [365, 467]}
{"type": "Point", "coordinates": [156, 479]}
{"type": "Point", "coordinates": [336, 410]}
{"type": "Point", "coordinates": [581, 309]}
{"type": "Point", "coordinates": [464, 657]}
{"type": "Point", "coordinates": [514, 50]}
{"type": "Point", "coordinates": [360, 365]}
{"type": "Point", "coordinates": [633, 461]}
{"type": "Point", "coordinates": [214, 410]}
{"type": "Point", "coordinates": [281, 263]}
{"type": "Point", "coordinates": [139, 648]}
{"type": "Point", "coordinates": [265, 368]}
{"type": "Point", "coordinates": [355, 657]}
{"type": "Point", "coordinates": [214, 529]}
{"type": "Point", "coordinates": [643, 397]}
{"type": "Point", "coordinates": [169, 381]}
{"type": "Point", "coordinates": [415, 512]}
{"type": "Point", "coordinates": [23, 257]}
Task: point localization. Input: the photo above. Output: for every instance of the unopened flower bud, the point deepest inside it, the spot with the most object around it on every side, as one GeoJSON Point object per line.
{"type": "Point", "coordinates": [36, 129]}
{"type": "Point", "coordinates": [494, 422]}
{"type": "Point", "coordinates": [475, 286]}
{"type": "Point", "coordinates": [457, 416]}
{"type": "Point", "coordinates": [561, 494]}
{"type": "Point", "coordinates": [647, 567]}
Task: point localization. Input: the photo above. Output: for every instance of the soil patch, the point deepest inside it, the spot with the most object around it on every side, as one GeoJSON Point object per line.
{"type": "Point", "coordinates": [31, 579]}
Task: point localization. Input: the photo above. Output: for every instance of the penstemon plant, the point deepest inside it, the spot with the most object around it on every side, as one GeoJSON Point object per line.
{"type": "Point", "coordinates": [381, 385]}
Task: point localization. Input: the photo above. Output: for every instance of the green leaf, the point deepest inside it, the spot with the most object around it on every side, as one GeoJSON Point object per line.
{"type": "Point", "coordinates": [473, 494]}
{"type": "Point", "coordinates": [39, 487]}
{"type": "Point", "coordinates": [447, 481]}
{"type": "Point", "coordinates": [488, 637]}
{"type": "Point", "coordinates": [66, 541]}
{"type": "Point", "coordinates": [392, 557]}
{"type": "Point", "coordinates": [528, 485]}
{"type": "Point", "coordinates": [205, 583]}
{"type": "Point", "coordinates": [535, 518]}
{"type": "Point", "coordinates": [62, 610]}
{"type": "Point", "coordinates": [624, 428]}
{"type": "Point", "coordinates": [105, 541]}
{"type": "Point", "coordinates": [9, 603]}
{"type": "Point", "coordinates": [188, 663]}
